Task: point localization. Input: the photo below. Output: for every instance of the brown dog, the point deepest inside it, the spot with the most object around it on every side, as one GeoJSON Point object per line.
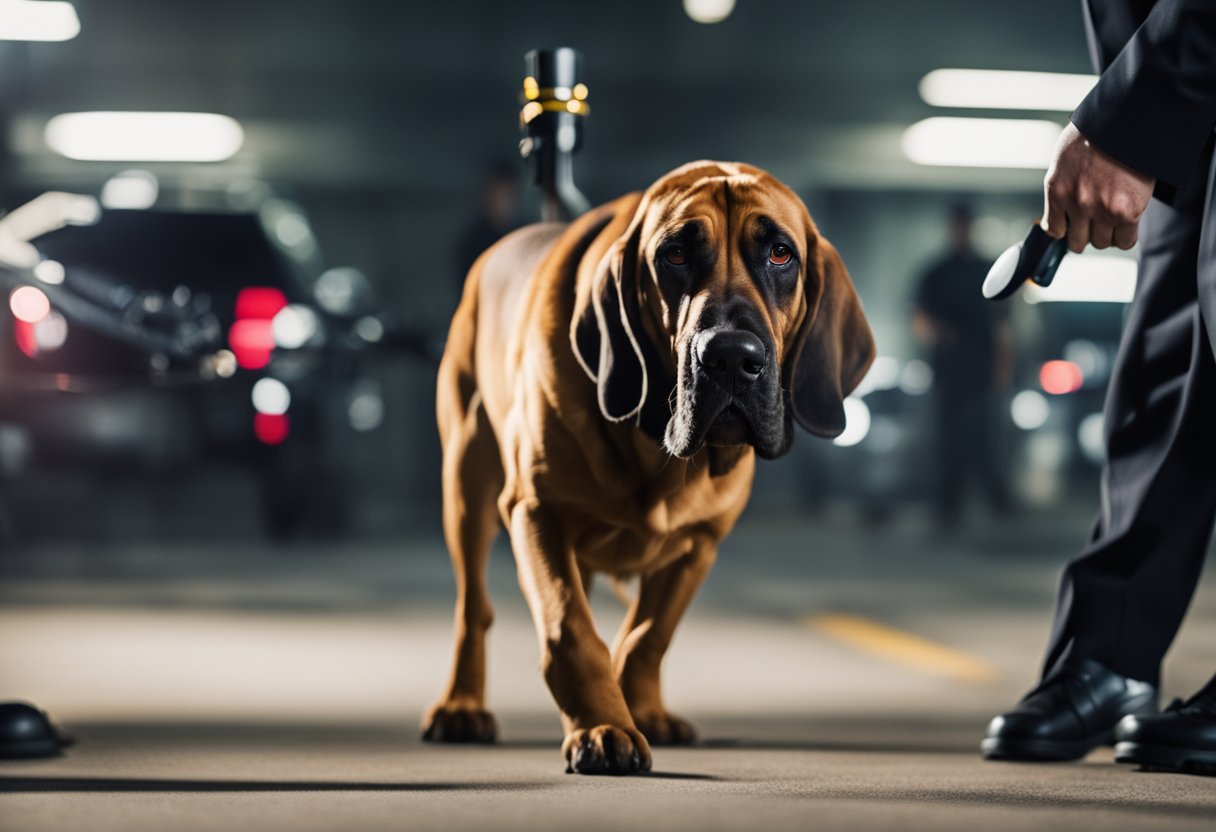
{"type": "Point", "coordinates": [605, 388]}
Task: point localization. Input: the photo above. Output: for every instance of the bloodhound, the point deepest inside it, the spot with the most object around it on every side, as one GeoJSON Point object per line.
{"type": "Point", "coordinates": [605, 389]}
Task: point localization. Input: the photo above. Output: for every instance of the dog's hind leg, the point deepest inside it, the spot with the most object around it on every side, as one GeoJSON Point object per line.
{"type": "Point", "coordinates": [472, 479]}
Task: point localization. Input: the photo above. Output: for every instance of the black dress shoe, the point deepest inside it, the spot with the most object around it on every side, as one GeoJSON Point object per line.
{"type": "Point", "coordinates": [1181, 739]}
{"type": "Point", "coordinates": [26, 731]}
{"type": "Point", "coordinates": [1069, 714]}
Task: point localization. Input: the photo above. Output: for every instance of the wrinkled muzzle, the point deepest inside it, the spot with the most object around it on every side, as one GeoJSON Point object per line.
{"type": "Point", "coordinates": [728, 393]}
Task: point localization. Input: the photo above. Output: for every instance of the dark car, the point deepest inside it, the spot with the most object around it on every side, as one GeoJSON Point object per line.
{"type": "Point", "coordinates": [156, 340]}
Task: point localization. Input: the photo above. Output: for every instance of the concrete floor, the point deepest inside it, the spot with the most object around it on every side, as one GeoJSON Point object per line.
{"type": "Point", "coordinates": [840, 676]}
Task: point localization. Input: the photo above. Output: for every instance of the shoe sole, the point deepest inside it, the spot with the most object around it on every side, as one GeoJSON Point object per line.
{"type": "Point", "coordinates": [1167, 758]}
{"type": "Point", "coordinates": [1026, 750]}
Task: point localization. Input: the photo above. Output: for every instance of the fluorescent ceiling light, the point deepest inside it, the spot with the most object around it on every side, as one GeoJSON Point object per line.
{"type": "Point", "coordinates": [41, 215]}
{"type": "Point", "coordinates": [131, 189]}
{"type": "Point", "coordinates": [50, 271]}
{"type": "Point", "coordinates": [144, 137]}
{"type": "Point", "coordinates": [981, 142]}
{"type": "Point", "coordinates": [997, 89]}
{"type": "Point", "coordinates": [1089, 279]}
{"type": "Point", "coordinates": [709, 11]}
{"type": "Point", "coordinates": [45, 20]}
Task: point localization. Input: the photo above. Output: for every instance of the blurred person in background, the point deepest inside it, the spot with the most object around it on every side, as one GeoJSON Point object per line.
{"type": "Point", "coordinates": [498, 214]}
{"type": "Point", "coordinates": [971, 354]}
{"type": "Point", "coordinates": [1136, 160]}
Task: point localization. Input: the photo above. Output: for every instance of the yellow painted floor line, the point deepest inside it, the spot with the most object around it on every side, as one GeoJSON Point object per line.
{"type": "Point", "coordinates": [905, 648]}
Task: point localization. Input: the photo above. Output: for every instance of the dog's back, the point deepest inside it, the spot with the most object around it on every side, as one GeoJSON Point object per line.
{"type": "Point", "coordinates": [487, 317]}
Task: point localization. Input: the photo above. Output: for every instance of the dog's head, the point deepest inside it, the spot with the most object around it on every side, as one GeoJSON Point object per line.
{"type": "Point", "coordinates": [722, 300]}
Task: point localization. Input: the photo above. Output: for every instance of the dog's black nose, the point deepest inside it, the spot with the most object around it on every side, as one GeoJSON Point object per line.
{"type": "Point", "coordinates": [733, 358]}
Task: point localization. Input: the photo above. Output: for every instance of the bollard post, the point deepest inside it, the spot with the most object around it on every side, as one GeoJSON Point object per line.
{"type": "Point", "coordinates": [551, 120]}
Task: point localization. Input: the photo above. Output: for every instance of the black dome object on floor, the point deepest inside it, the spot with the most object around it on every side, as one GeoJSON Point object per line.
{"type": "Point", "coordinates": [26, 731]}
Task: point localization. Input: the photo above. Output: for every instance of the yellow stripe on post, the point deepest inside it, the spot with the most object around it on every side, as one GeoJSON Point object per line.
{"type": "Point", "coordinates": [904, 648]}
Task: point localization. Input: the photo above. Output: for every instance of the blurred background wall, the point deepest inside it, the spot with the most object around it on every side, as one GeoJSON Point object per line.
{"type": "Point", "coordinates": [219, 468]}
{"type": "Point", "coordinates": [378, 122]}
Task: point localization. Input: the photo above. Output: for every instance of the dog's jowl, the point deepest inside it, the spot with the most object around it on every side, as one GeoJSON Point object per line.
{"type": "Point", "coordinates": [605, 390]}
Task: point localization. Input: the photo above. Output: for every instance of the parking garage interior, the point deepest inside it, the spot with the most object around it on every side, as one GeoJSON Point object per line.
{"type": "Point", "coordinates": [222, 567]}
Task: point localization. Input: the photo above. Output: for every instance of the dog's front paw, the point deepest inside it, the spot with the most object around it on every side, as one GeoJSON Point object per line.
{"type": "Point", "coordinates": [606, 749]}
{"type": "Point", "coordinates": [662, 728]}
{"type": "Point", "coordinates": [451, 722]}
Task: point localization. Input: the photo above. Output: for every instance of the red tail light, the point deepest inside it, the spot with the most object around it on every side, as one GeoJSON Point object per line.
{"type": "Point", "coordinates": [251, 341]}
{"type": "Point", "coordinates": [271, 429]}
{"type": "Point", "coordinates": [1060, 377]}
{"type": "Point", "coordinates": [25, 336]}
{"type": "Point", "coordinates": [259, 302]}
{"type": "Point", "coordinates": [251, 338]}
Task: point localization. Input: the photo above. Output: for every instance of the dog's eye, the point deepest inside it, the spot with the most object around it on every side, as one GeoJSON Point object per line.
{"type": "Point", "coordinates": [676, 256]}
{"type": "Point", "coordinates": [780, 255]}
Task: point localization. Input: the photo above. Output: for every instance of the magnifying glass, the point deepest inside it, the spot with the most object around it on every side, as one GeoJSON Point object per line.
{"type": "Point", "coordinates": [1036, 259]}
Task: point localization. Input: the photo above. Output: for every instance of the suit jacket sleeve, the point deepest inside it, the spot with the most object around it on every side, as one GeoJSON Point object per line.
{"type": "Point", "coordinates": [1154, 107]}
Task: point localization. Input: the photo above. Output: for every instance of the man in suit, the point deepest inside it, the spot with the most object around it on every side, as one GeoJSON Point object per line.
{"type": "Point", "coordinates": [1136, 159]}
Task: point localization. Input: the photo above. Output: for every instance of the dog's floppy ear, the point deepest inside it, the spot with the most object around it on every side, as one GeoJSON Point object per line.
{"type": "Point", "coordinates": [833, 348]}
{"type": "Point", "coordinates": [606, 329]}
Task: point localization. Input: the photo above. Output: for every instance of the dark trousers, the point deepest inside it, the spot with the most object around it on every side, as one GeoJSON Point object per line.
{"type": "Point", "coordinates": [1122, 599]}
{"type": "Point", "coordinates": [965, 445]}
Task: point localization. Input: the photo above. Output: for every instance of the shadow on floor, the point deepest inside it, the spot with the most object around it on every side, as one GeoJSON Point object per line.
{"type": "Point", "coordinates": [888, 734]}
{"type": "Point", "coordinates": [1037, 799]}
{"type": "Point", "coordinates": [140, 784]}
{"type": "Point", "coordinates": [842, 746]}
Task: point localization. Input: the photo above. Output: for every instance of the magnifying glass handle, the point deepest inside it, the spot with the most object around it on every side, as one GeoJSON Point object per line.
{"type": "Point", "coordinates": [1036, 258]}
{"type": "Point", "coordinates": [1050, 261]}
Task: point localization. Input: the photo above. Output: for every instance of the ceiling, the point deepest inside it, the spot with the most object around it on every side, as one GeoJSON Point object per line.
{"type": "Point", "coordinates": [414, 97]}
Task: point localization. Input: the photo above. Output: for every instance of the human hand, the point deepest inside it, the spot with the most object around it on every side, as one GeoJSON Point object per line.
{"type": "Point", "coordinates": [1091, 197]}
